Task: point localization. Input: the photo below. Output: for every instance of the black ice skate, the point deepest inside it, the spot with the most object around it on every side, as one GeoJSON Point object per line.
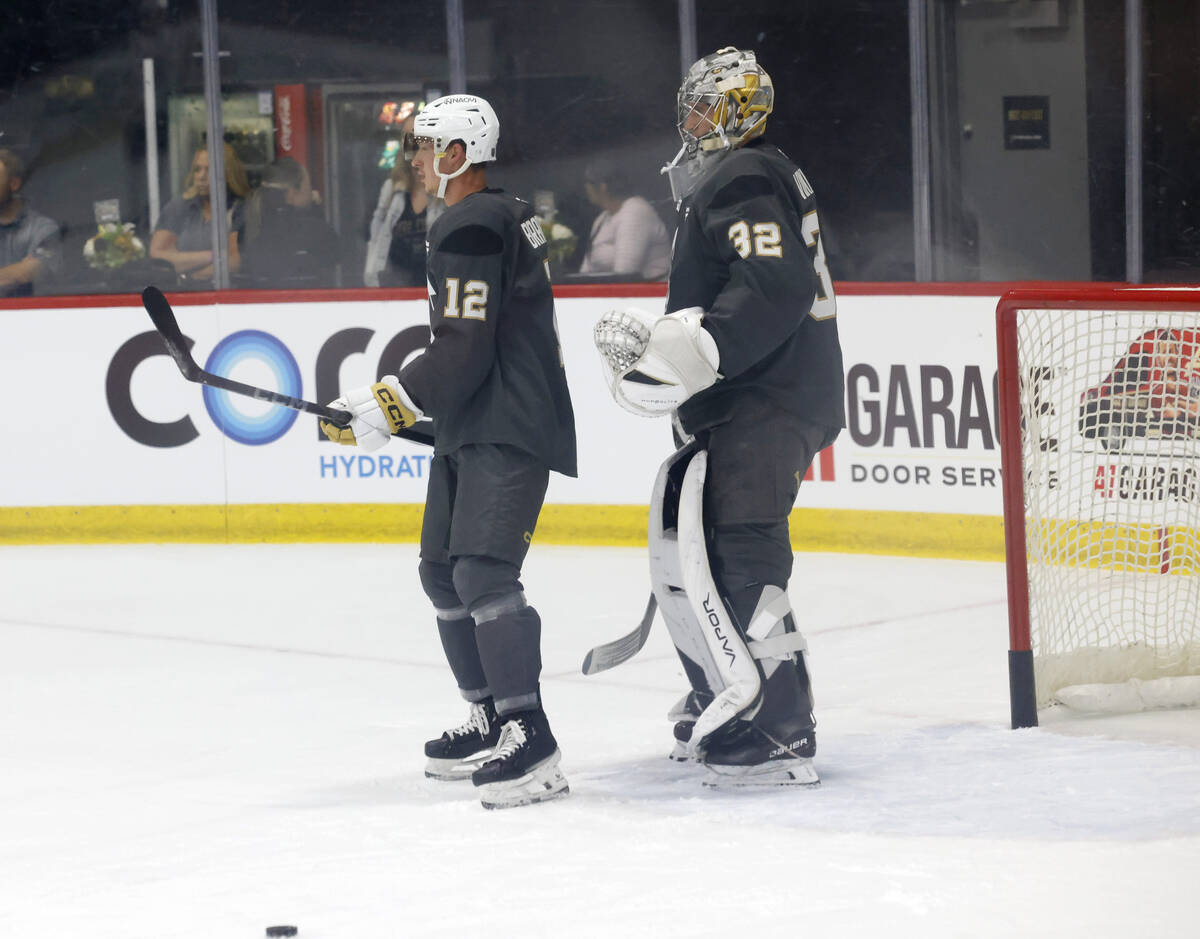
{"type": "Point", "coordinates": [776, 747]}
{"type": "Point", "coordinates": [458, 752]}
{"type": "Point", "coordinates": [523, 768]}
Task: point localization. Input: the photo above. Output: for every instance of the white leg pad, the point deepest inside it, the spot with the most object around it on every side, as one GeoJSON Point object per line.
{"type": "Point", "coordinates": [695, 616]}
{"type": "Point", "coordinates": [666, 578]}
{"type": "Point", "coordinates": [541, 784]}
{"type": "Point", "coordinates": [741, 675]}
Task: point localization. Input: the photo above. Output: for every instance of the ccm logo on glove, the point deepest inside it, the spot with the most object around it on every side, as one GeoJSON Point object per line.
{"type": "Point", "coordinates": [378, 411]}
{"type": "Point", "coordinates": [398, 415]}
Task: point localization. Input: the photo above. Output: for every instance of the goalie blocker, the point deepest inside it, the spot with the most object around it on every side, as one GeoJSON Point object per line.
{"type": "Point", "coordinates": [757, 728]}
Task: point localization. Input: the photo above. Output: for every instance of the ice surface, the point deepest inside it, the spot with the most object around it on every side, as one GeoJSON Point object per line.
{"type": "Point", "coordinates": [201, 741]}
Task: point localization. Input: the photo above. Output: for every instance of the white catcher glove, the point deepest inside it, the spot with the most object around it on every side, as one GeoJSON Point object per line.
{"type": "Point", "coordinates": [378, 409]}
{"type": "Point", "coordinates": [652, 364]}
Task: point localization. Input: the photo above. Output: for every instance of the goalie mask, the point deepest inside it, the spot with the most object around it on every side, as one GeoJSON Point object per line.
{"type": "Point", "coordinates": [724, 102]}
{"type": "Point", "coordinates": [466, 118]}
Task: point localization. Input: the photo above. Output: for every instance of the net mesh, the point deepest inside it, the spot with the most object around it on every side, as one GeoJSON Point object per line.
{"type": "Point", "coordinates": [1110, 439]}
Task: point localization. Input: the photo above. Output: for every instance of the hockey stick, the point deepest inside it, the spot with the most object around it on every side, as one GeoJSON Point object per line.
{"type": "Point", "coordinates": [164, 321]}
{"type": "Point", "coordinates": [613, 653]}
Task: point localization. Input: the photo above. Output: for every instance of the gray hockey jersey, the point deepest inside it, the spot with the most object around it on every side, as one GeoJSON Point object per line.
{"type": "Point", "coordinates": [747, 250]}
{"type": "Point", "coordinates": [494, 371]}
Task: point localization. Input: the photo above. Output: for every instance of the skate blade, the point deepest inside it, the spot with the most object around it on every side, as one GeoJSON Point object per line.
{"type": "Point", "coordinates": [541, 784]}
{"type": "Point", "coordinates": [679, 753]}
{"type": "Point", "coordinates": [794, 773]}
{"type": "Point", "coordinates": [454, 770]}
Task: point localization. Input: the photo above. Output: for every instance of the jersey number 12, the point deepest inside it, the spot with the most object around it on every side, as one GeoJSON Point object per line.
{"type": "Point", "coordinates": [474, 299]}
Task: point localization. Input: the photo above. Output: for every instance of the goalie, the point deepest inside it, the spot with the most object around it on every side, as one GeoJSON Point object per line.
{"type": "Point", "coordinates": [748, 362]}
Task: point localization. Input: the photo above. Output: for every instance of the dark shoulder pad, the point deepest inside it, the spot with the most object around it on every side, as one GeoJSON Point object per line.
{"type": "Point", "coordinates": [472, 239]}
{"type": "Point", "coordinates": [741, 188]}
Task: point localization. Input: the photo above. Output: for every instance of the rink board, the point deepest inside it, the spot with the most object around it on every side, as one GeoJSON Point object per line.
{"type": "Point", "coordinates": [139, 454]}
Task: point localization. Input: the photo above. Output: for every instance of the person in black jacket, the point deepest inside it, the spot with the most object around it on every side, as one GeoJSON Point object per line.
{"type": "Point", "coordinates": [749, 362]}
{"type": "Point", "coordinates": [295, 246]}
{"type": "Point", "coordinates": [493, 382]}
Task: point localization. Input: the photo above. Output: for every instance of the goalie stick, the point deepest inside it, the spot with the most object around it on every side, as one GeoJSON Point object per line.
{"type": "Point", "coordinates": [610, 654]}
{"type": "Point", "coordinates": [164, 321]}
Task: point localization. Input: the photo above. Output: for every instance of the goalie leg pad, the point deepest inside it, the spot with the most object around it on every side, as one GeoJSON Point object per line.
{"type": "Point", "coordinates": [737, 673]}
{"type": "Point", "coordinates": [777, 744]}
{"type": "Point", "coordinates": [666, 578]}
{"type": "Point", "coordinates": [726, 668]}
{"type": "Point", "coordinates": [773, 638]}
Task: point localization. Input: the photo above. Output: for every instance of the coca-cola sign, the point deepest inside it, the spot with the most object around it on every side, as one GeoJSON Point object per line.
{"type": "Point", "coordinates": [285, 125]}
{"type": "Point", "coordinates": [291, 125]}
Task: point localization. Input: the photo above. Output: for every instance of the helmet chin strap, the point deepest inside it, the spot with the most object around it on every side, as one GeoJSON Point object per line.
{"type": "Point", "coordinates": [675, 162]}
{"type": "Point", "coordinates": [445, 178]}
{"type": "Point", "coordinates": [691, 164]}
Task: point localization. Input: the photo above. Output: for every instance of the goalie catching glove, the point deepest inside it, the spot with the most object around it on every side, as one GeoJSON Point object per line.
{"type": "Point", "coordinates": [652, 364]}
{"type": "Point", "coordinates": [378, 411]}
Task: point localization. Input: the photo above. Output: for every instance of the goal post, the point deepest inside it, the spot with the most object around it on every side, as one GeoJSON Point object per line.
{"type": "Point", "coordinates": [1099, 405]}
{"type": "Point", "coordinates": [1021, 691]}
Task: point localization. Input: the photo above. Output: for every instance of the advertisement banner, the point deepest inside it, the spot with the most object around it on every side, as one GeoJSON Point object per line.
{"type": "Point", "coordinates": [921, 395]}
{"type": "Point", "coordinates": [922, 429]}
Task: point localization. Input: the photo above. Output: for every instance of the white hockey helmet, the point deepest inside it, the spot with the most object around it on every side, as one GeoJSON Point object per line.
{"type": "Point", "coordinates": [467, 118]}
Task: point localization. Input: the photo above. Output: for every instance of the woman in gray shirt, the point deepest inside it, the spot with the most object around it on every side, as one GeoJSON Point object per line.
{"type": "Point", "coordinates": [182, 235]}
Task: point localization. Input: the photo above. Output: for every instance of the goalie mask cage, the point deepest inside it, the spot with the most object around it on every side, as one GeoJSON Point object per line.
{"type": "Point", "coordinates": [1100, 440]}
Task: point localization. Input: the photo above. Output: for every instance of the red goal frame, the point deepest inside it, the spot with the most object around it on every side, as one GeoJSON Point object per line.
{"type": "Point", "coordinates": [1021, 687]}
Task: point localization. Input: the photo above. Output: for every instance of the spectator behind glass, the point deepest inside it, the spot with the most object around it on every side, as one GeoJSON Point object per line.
{"type": "Point", "coordinates": [295, 245]}
{"type": "Point", "coordinates": [396, 244]}
{"type": "Point", "coordinates": [30, 243]}
{"type": "Point", "coordinates": [627, 236]}
{"type": "Point", "coordinates": [182, 235]}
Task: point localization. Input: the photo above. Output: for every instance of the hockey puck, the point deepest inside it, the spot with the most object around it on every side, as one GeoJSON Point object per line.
{"type": "Point", "coordinates": [282, 930]}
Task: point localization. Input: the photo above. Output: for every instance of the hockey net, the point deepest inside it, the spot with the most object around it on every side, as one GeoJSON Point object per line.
{"type": "Point", "coordinates": [1100, 432]}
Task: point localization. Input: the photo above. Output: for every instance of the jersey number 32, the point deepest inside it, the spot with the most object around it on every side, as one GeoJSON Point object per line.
{"type": "Point", "coordinates": [763, 240]}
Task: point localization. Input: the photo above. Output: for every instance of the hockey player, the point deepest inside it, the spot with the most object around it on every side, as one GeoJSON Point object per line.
{"type": "Point", "coordinates": [749, 362]}
{"type": "Point", "coordinates": [493, 382]}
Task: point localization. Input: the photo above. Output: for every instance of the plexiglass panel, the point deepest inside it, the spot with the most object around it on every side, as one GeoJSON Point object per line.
{"type": "Point", "coordinates": [585, 93]}
{"type": "Point", "coordinates": [317, 96]}
{"type": "Point", "coordinates": [84, 88]}
{"type": "Point", "coordinates": [840, 72]}
{"type": "Point", "coordinates": [102, 116]}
